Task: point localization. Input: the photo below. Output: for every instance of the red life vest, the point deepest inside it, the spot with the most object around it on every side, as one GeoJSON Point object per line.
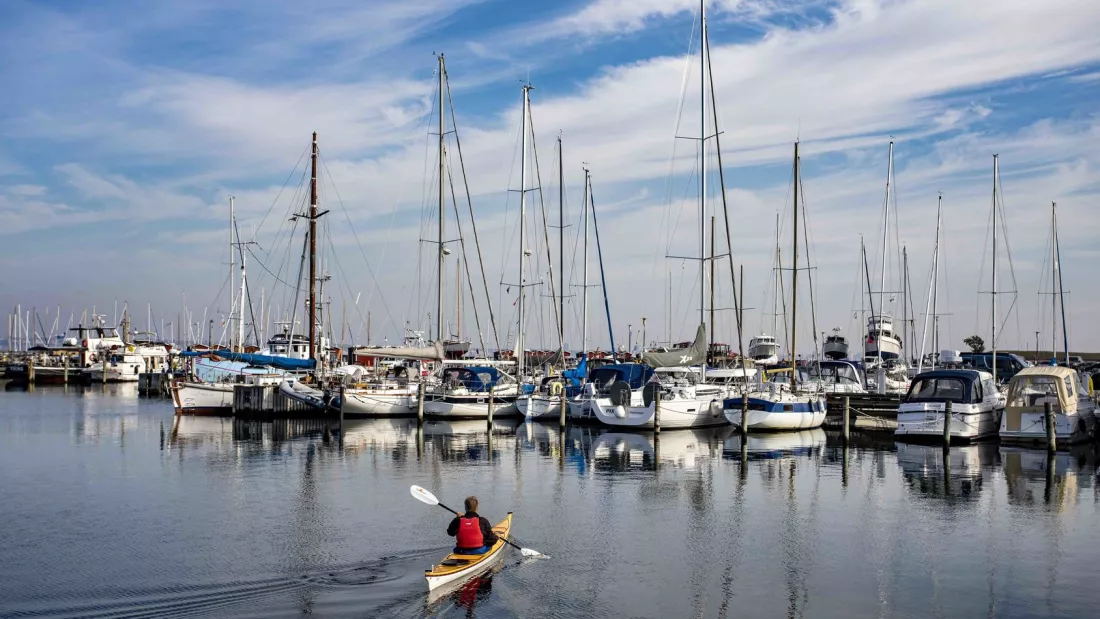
{"type": "Point", "coordinates": [469, 533]}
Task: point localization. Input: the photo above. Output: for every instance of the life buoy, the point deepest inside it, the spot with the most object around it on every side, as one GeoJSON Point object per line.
{"type": "Point", "coordinates": [555, 388]}
{"type": "Point", "coordinates": [84, 343]}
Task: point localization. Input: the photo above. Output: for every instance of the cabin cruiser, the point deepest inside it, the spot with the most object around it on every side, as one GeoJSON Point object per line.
{"type": "Point", "coordinates": [836, 346]}
{"type": "Point", "coordinates": [392, 394]}
{"type": "Point", "coordinates": [774, 405]}
{"type": "Point", "coordinates": [881, 339]}
{"type": "Point", "coordinates": [598, 385]}
{"type": "Point", "coordinates": [764, 350]}
{"type": "Point", "coordinates": [1031, 390]}
{"type": "Point", "coordinates": [976, 405]}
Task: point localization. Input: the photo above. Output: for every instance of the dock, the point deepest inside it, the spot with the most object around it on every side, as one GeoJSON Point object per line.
{"type": "Point", "coordinates": [871, 412]}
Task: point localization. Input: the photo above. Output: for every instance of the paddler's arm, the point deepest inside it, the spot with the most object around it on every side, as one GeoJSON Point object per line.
{"type": "Point", "coordinates": [487, 532]}
{"type": "Point", "coordinates": [452, 529]}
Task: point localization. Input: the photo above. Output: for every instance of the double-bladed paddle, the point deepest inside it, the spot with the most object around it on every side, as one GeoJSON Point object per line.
{"type": "Point", "coordinates": [424, 496]}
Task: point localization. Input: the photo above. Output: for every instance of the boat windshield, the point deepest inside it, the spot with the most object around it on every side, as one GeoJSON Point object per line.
{"type": "Point", "coordinates": [1033, 391]}
{"type": "Point", "coordinates": [840, 374]}
{"type": "Point", "coordinates": [939, 389]}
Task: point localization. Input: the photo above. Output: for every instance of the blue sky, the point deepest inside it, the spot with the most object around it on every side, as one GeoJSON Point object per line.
{"type": "Point", "coordinates": [126, 126]}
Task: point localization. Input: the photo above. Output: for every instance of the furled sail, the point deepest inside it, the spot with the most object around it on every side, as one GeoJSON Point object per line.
{"type": "Point", "coordinates": [696, 354]}
{"type": "Point", "coordinates": [432, 352]}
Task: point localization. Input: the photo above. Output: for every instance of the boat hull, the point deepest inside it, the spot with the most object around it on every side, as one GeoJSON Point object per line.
{"type": "Point", "coordinates": [378, 403]}
{"type": "Point", "coordinates": [968, 421]}
{"type": "Point", "coordinates": [676, 413]}
{"type": "Point", "coordinates": [470, 407]}
{"type": "Point", "coordinates": [787, 413]}
{"type": "Point", "coordinates": [539, 407]}
{"type": "Point", "coordinates": [215, 399]}
{"type": "Point", "coordinates": [444, 577]}
{"type": "Point", "coordinates": [1030, 429]}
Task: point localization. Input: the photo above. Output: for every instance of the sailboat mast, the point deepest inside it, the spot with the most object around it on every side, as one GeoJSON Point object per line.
{"type": "Point", "coordinates": [996, 174]}
{"type": "Point", "coordinates": [522, 224]}
{"type": "Point", "coordinates": [775, 276]}
{"type": "Point", "coordinates": [584, 281]}
{"type": "Point", "coordinates": [313, 252]}
{"type": "Point", "coordinates": [712, 269]}
{"type": "Point", "coordinates": [439, 270]}
{"type": "Point", "coordinates": [240, 317]}
{"type": "Point", "coordinates": [1061, 290]}
{"type": "Point", "coordinates": [904, 301]}
{"type": "Point", "coordinates": [794, 279]}
{"type": "Point", "coordinates": [458, 299]}
{"type": "Point", "coordinates": [561, 245]}
{"type": "Point", "coordinates": [232, 288]}
{"type": "Point", "coordinates": [885, 233]}
{"type": "Point", "coordinates": [936, 288]}
{"type": "Point", "coordinates": [703, 166]}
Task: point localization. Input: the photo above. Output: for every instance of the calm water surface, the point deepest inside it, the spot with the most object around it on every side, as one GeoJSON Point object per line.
{"type": "Point", "coordinates": [112, 507]}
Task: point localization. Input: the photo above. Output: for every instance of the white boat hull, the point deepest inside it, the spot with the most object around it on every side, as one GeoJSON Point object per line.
{"type": "Point", "coordinates": [789, 412]}
{"type": "Point", "coordinates": [469, 407]}
{"type": "Point", "coordinates": [202, 398]}
{"type": "Point", "coordinates": [539, 407]}
{"type": "Point", "coordinates": [1076, 427]}
{"type": "Point", "coordinates": [968, 421]}
{"type": "Point", "coordinates": [378, 403]}
{"type": "Point", "coordinates": [677, 413]}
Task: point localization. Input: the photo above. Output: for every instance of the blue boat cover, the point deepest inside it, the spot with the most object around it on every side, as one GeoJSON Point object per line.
{"type": "Point", "coordinates": [282, 363]}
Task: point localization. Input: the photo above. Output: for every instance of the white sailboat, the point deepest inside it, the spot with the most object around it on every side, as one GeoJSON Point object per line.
{"type": "Point", "coordinates": [783, 405]}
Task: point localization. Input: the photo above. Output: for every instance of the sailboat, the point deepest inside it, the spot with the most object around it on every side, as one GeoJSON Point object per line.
{"type": "Point", "coordinates": [471, 388]}
{"type": "Point", "coordinates": [783, 405]}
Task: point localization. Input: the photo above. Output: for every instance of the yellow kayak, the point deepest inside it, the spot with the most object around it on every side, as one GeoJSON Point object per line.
{"type": "Point", "coordinates": [460, 567]}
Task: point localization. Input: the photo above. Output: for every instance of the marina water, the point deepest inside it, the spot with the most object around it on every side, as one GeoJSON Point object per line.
{"type": "Point", "coordinates": [114, 507]}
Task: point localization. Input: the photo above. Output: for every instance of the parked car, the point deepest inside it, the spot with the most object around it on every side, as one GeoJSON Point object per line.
{"type": "Point", "coordinates": [1008, 364]}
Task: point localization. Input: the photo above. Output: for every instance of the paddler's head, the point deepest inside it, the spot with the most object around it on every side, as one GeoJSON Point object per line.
{"type": "Point", "coordinates": [471, 504]}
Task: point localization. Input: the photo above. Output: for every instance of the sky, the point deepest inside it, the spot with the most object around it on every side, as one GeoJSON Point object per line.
{"type": "Point", "coordinates": [126, 126]}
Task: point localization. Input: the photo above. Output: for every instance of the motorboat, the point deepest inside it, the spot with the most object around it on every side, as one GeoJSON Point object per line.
{"type": "Point", "coordinates": [465, 392]}
{"type": "Point", "coordinates": [1031, 390]}
{"type": "Point", "coordinates": [882, 341]}
{"type": "Point", "coordinates": [976, 406]}
{"type": "Point", "coordinates": [764, 350]}
{"type": "Point", "coordinates": [839, 377]}
{"type": "Point", "coordinates": [835, 346]}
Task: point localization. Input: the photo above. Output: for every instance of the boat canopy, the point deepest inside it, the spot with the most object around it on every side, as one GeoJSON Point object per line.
{"type": "Point", "coordinates": [473, 378]}
{"type": "Point", "coordinates": [577, 374]}
{"type": "Point", "coordinates": [836, 372]}
{"type": "Point", "coordinates": [635, 374]}
{"type": "Point", "coordinates": [1033, 387]}
{"type": "Point", "coordinates": [959, 386]}
{"type": "Point", "coordinates": [695, 354]}
{"type": "Point", "coordinates": [282, 363]}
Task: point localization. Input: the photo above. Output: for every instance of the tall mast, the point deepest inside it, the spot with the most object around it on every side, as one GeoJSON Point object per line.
{"type": "Point", "coordinates": [1061, 289]}
{"type": "Point", "coordinates": [885, 232]}
{"type": "Point", "coordinates": [232, 288]}
{"type": "Point", "coordinates": [313, 252]}
{"type": "Point", "coordinates": [458, 299]}
{"type": "Point", "coordinates": [240, 317]}
{"type": "Point", "coordinates": [584, 282]}
{"type": "Point", "coordinates": [904, 301]}
{"type": "Point", "coordinates": [561, 245]}
{"type": "Point", "coordinates": [936, 290]}
{"type": "Point", "coordinates": [703, 166]}
{"type": "Point", "coordinates": [439, 270]}
{"type": "Point", "coordinates": [775, 291]}
{"type": "Point", "coordinates": [522, 225]}
{"type": "Point", "coordinates": [794, 279]}
{"type": "Point", "coordinates": [1053, 284]}
{"type": "Point", "coordinates": [711, 330]}
{"type": "Point", "coordinates": [996, 174]}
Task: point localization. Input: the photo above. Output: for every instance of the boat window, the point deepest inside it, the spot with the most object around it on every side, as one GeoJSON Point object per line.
{"type": "Point", "coordinates": [1032, 391]}
{"type": "Point", "coordinates": [939, 389]}
{"type": "Point", "coordinates": [1069, 386]}
{"type": "Point", "coordinates": [979, 394]}
{"type": "Point", "coordinates": [840, 374]}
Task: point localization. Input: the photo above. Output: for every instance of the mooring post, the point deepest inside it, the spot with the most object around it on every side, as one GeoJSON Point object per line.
{"type": "Point", "coordinates": [66, 376]}
{"type": "Point", "coordinates": [420, 403]}
{"type": "Point", "coordinates": [30, 370]}
{"type": "Point", "coordinates": [947, 424]}
{"type": "Point", "coordinates": [1048, 418]}
{"type": "Point", "coordinates": [845, 419]}
{"type": "Point", "coordinates": [103, 377]}
{"type": "Point", "coordinates": [744, 417]}
{"type": "Point", "coordinates": [561, 415]}
{"type": "Point", "coordinates": [656, 408]}
{"type": "Point", "coordinates": [490, 418]}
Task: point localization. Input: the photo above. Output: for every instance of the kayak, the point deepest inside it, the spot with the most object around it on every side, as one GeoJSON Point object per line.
{"type": "Point", "coordinates": [456, 567]}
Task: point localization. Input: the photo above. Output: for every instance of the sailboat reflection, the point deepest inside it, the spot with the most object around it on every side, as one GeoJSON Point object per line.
{"type": "Point", "coordinates": [683, 449]}
{"type": "Point", "coordinates": [772, 445]}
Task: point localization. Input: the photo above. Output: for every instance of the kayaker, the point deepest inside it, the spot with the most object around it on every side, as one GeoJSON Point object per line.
{"type": "Point", "coordinates": [473, 534]}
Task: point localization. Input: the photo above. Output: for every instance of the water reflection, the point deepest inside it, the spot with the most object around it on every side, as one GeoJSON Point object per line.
{"type": "Point", "coordinates": [1034, 476]}
{"type": "Point", "coordinates": [930, 471]}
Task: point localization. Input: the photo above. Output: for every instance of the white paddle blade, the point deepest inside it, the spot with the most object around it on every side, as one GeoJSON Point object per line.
{"type": "Point", "coordinates": [527, 552]}
{"type": "Point", "coordinates": [423, 495]}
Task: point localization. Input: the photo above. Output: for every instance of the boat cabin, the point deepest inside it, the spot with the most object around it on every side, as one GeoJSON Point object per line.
{"type": "Point", "coordinates": [956, 386]}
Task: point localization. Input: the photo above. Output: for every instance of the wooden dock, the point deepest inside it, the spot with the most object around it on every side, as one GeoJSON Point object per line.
{"type": "Point", "coordinates": [267, 400]}
{"type": "Point", "coordinates": [872, 412]}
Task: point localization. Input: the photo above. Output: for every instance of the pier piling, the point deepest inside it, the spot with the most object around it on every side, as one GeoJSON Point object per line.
{"type": "Point", "coordinates": [30, 370]}
{"type": "Point", "coordinates": [491, 402]}
{"type": "Point", "coordinates": [1048, 419]}
{"type": "Point", "coordinates": [65, 377]}
{"type": "Point", "coordinates": [420, 403]}
{"type": "Point", "coordinates": [845, 427]}
{"type": "Point", "coordinates": [947, 425]}
{"type": "Point", "coordinates": [744, 417]}
{"type": "Point", "coordinates": [657, 409]}
{"type": "Point", "coordinates": [561, 415]}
